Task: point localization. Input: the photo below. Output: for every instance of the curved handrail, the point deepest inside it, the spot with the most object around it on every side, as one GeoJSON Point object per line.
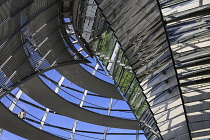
{"type": "Point", "coordinates": [40, 92]}
{"type": "Point", "coordinates": [12, 123]}
{"type": "Point", "coordinates": [82, 78]}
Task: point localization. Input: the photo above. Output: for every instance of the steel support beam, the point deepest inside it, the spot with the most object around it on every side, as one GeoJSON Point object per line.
{"type": "Point", "coordinates": [193, 63]}
{"type": "Point", "coordinates": [17, 12]}
{"type": "Point", "coordinates": [26, 23]}
{"type": "Point", "coordinates": [3, 92]}
{"type": "Point", "coordinates": [47, 109]}
{"type": "Point", "coordinates": [109, 112]}
{"type": "Point", "coordinates": [198, 11]}
{"type": "Point", "coordinates": [195, 73]}
{"type": "Point", "coordinates": [13, 104]}
{"type": "Point", "coordinates": [1, 131]}
{"type": "Point", "coordinates": [176, 74]}
{"type": "Point", "coordinates": [81, 105]}
{"type": "Point", "coordinates": [59, 84]}
{"type": "Point", "coordinates": [44, 118]}
{"type": "Point", "coordinates": [201, 81]}
{"type": "Point", "coordinates": [137, 134]}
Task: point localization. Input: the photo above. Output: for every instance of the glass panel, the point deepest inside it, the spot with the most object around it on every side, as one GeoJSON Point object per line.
{"type": "Point", "coordinates": [131, 89]}
{"type": "Point", "coordinates": [126, 79]}
{"type": "Point", "coordinates": [141, 109]}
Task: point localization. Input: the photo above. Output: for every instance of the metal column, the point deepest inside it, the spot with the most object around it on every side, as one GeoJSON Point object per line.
{"type": "Point", "coordinates": [137, 134]}
{"type": "Point", "coordinates": [81, 104]}
{"type": "Point", "coordinates": [75, 123]}
{"type": "Point", "coordinates": [59, 84]}
{"type": "Point", "coordinates": [109, 112]}
{"type": "Point", "coordinates": [44, 118]}
{"type": "Point", "coordinates": [47, 109]}
{"type": "Point", "coordinates": [13, 104]}
{"type": "Point", "coordinates": [17, 97]}
{"type": "Point", "coordinates": [1, 130]}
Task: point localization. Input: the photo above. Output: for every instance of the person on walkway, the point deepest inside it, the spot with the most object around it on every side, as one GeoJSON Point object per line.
{"type": "Point", "coordinates": [22, 114]}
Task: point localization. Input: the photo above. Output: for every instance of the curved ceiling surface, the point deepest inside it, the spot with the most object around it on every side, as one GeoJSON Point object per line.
{"type": "Point", "coordinates": [156, 51]}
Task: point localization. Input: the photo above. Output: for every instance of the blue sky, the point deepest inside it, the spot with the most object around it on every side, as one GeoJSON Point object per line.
{"type": "Point", "coordinates": [68, 122]}
{"type": "Point", "coordinates": [58, 120]}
